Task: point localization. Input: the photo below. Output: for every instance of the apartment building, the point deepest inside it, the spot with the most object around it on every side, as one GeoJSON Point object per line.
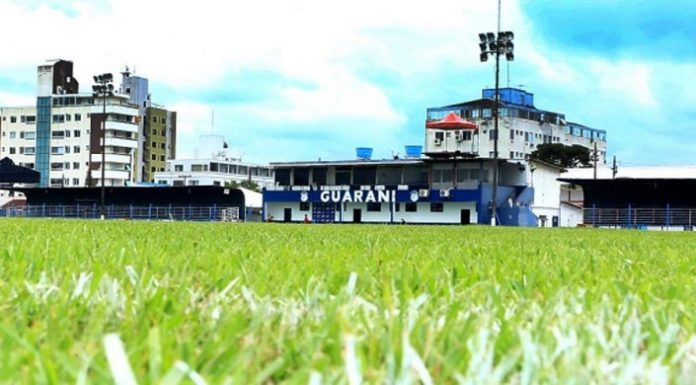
{"type": "Point", "coordinates": [62, 137]}
{"type": "Point", "coordinates": [522, 127]}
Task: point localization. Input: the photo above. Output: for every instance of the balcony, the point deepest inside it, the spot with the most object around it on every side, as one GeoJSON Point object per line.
{"type": "Point", "coordinates": [121, 126]}
{"type": "Point", "coordinates": [121, 142]}
{"type": "Point", "coordinates": [112, 158]}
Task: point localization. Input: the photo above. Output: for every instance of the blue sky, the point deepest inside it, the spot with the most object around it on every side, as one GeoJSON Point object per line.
{"type": "Point", "coordinates": [307, 79]}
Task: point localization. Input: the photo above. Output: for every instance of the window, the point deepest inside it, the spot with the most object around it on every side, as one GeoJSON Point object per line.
{"type": "Point", "coordinates": [364, 175]}
{"type": "Point", "coordinates": [411, 207]}
{"type": "Point", "coordinates": [67, 165]}
{"type": "Point", "coordinates": [154, 157]}
{"type": "Point", "coordinates": [162, 158]}
{"type": "Point", "coordinates": [442, 176]}
{"type": "Point", "coordinates": [374, 206]}
{"type": "Point", "coordinates": [397, 207]}
{"type": "Point", "coordinates": [179, 167]}
{"type": "Point", "coordinates": [13, 135]}
{"type": "Point", "coordinates": [76, 181]}
{"type": "Point", "coordinates": [58, 150]}
{"type": "Point", "coordinates": [58, 134]}
{"type": "Point", "coordinates": [76, 149]}
{"type": "Point", "coordinates": [153, 169]}
{"type": "Point", "coordinates": [56, 166]}
{"type": "Point", "coordinates": [318, 175]}
{"type": "Point", "coordinates": [491, 134]}
{"type": "Point", "coordinates": [162, 145]}
{"type": "Point", "coordinates": [78, 117]}
{"type": "Point", "coordinates": [30, 135]}
{"type": "Point", "coordinates": [29, 150]}
{"type": "Point", "coordinates": [76, 133]}
{"type": "Point", "coordinates": [154, 119]}
{"type": "Point", "coordinates": [68, 117]}
{"type": "Point", "coordinates": [67, 132]}
{"type": "Point", "coordinates": [512, 134]}
{"type": "Point", "coordinates": [12, 150]}
{"type": "Point", "coordinates": [512, 155]}
{"type": "Point", "coordinates": [343, 175]}
{"type": "Point", "coordinates": [301, 176]}
{"type": "Point", "coordinates": [440, 136]}
{"type": "Point", "coordinates": [487, 113]}
{"type": "Point", "coordinates": [304, 206]}
{"type": "Point", "coordinates": [58, 118]}
{"type": "Point", "coordinates": [194, 167]}
{"type": "Point", "coordinates": [13, 119]}
{"type": "Point", "coordinates": [154, 144]}
{"type": "Point", "coordinates": [76, 165]}
{"type": "Point", "coordinates": [282, 177]}
{"type": "Point", "coordinates": [436, 207]}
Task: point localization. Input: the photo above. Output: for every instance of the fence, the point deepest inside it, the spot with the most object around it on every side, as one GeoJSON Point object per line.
{"type": "Point", "coordinates": [176, 213]}
{"type": "Point", "coordinates": [639, 216]}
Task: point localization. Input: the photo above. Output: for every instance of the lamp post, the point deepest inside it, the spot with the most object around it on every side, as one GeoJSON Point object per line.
{"type": "Point", "coordinates": [102, 89]}
{"type": "Point", "coordinates": [493, 45]}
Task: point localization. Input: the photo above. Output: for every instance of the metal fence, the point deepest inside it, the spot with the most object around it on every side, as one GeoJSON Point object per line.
{"type": "Point", "coordinates": [175, 213]}
{"type": "Point", "coordinates": [639, 216]}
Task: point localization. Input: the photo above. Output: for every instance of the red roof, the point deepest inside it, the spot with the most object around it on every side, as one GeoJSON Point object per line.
{"type": "Point", "coordinates": [451, 121]}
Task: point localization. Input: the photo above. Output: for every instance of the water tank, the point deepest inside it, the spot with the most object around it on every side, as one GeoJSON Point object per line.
{"type": "Point", "coordinates": [364, 153]}
{"type": "Point", "coordinates": [413, 151]}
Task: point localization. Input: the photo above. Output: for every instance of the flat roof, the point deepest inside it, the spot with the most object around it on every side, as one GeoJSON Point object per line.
{"type": "Point", "coordinates": [635, 172]}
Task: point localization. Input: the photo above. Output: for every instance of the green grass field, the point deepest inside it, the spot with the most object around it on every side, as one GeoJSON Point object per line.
{"type": "Point", "coordinates": [308, 304]}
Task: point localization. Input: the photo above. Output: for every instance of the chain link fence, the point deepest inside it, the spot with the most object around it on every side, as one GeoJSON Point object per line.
{"type": "Point", "coordinates": [174, 213]}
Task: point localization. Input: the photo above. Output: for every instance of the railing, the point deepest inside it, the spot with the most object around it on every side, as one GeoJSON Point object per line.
{"type": "Point", "coordinates": [639, 216]}
{"type": "Point", "coordinates": [175, 213]}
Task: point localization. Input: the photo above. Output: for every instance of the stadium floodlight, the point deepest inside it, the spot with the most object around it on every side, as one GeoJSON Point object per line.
{"type": "Point", "coordinates": [103, 89]}
{"type": "Point", "coordinates": [497, 46]}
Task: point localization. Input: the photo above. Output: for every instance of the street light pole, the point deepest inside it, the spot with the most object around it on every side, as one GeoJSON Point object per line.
{"type": "Point", "coordinates": [104, 88]}
{"type": "Point", "coordinates": [496, 45]}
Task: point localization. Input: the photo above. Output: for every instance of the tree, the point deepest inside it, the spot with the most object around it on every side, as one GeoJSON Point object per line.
{"type": "Point", "coordinates": [561, 155]}
{"type": "Point", "coordinates": [247, 184]}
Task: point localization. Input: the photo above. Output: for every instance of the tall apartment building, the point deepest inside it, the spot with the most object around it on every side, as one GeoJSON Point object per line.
{"type": "Point", "coordinates": [61, 137]}
{"type": "Point", "coordinates": [522, 127]}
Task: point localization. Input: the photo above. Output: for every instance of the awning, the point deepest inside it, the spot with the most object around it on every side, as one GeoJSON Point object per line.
{"type": "Point", "coordinates": [451, 122]}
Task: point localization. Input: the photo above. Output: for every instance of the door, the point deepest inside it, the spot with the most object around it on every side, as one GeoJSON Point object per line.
{"type": "Point", "coordinates": [287, 215]}
{"type": "Point", "coordinates": [465, 217]}
{"type": "Point", "coordinates": [357, 215]}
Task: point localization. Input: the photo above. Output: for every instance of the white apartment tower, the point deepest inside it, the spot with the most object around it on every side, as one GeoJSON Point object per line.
{"type": "Point", "coordinates": [61, 137]}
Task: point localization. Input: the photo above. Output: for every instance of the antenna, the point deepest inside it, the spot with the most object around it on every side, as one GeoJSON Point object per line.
{"type": "Point", "coordinates": [498, 17]}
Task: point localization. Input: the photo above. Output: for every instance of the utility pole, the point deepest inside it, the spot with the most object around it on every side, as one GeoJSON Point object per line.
{"type": "Point", "coordinates": [614, 169]}
{"type": "Point", "coordinates": [594, 159]}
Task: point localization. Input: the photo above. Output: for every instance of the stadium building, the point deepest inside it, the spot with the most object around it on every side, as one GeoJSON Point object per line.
{"type": "Point", "coordinates": [452, 181]}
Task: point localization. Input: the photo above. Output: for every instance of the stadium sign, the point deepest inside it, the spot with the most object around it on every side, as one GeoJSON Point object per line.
{"type": "Point", "coordinates": [358, 196]}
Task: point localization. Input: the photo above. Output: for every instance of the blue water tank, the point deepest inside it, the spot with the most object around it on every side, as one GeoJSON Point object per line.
{"type": "Point", "coordinates": [413, 151]}
{"type": "Point", "coordinates": [363, 153]}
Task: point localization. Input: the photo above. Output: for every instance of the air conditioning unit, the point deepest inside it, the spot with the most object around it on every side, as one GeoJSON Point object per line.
{"type": "Point", "coordinates": [444, 193]}
{"type": "Point", "coordinates": [438, 141]}
{"type": "Point", "coordinates": [423, 193]}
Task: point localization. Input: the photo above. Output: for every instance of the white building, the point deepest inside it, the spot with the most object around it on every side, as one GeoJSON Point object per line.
{"type": "Point", "coordinates": [522, 127]}
{"type": "Point", "coordinates": [213, 166]}
{"type": "Point", "coordinates": [61, 136]}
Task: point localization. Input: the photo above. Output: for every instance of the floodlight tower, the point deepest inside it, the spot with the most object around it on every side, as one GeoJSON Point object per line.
{"type": "Point", "coordinates": [102, 89]}
{"type": "Point", "coordinates": [493, 45]}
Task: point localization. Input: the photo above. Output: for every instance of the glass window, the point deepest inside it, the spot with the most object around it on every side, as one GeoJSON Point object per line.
{"type": "Point", "coordinates": [301, 176]}
{"type": "Point", "coordinates": [343, 175]}
{"type": "Point", "coordinates": [318, 175]}
{"type": "Point", "coordinates": [436, 207]}
{"type": "Point", "coordinates": [389, 175]}
{"type": "Point", "coordinates": [282, 177]}
{"type": "Point", "coordinates": [304, 206]}
{"type": "Point", "coordinates": [411, 207]}
{"type": "Point", "coordinates": [179, 167]}
{"type": "Point", "coordinates": [13, 134]}
{"type": "Point", "coordinates": [417, 175]}
{"type": "Point", "coordinates": [364, 175]}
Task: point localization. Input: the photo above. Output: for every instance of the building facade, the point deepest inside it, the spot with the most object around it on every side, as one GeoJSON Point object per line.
{"type": "Point", "coordinates": [61, 137]}
{"type": "Point", "coordinates": [416, 190]}
{"type": "Point", "coordinates": [522, 128]}
{"type": "Point", "coordinates": [213, 166]}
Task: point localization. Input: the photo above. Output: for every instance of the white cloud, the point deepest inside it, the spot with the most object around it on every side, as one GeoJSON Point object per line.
{"type": "Point", "coordinates": [16, 100]}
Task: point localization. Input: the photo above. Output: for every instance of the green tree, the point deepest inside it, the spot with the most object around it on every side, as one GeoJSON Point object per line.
{"type": "Point", "coordinates": [561, 155]}
{"type": "Point", "coordinates": [247, 184]}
